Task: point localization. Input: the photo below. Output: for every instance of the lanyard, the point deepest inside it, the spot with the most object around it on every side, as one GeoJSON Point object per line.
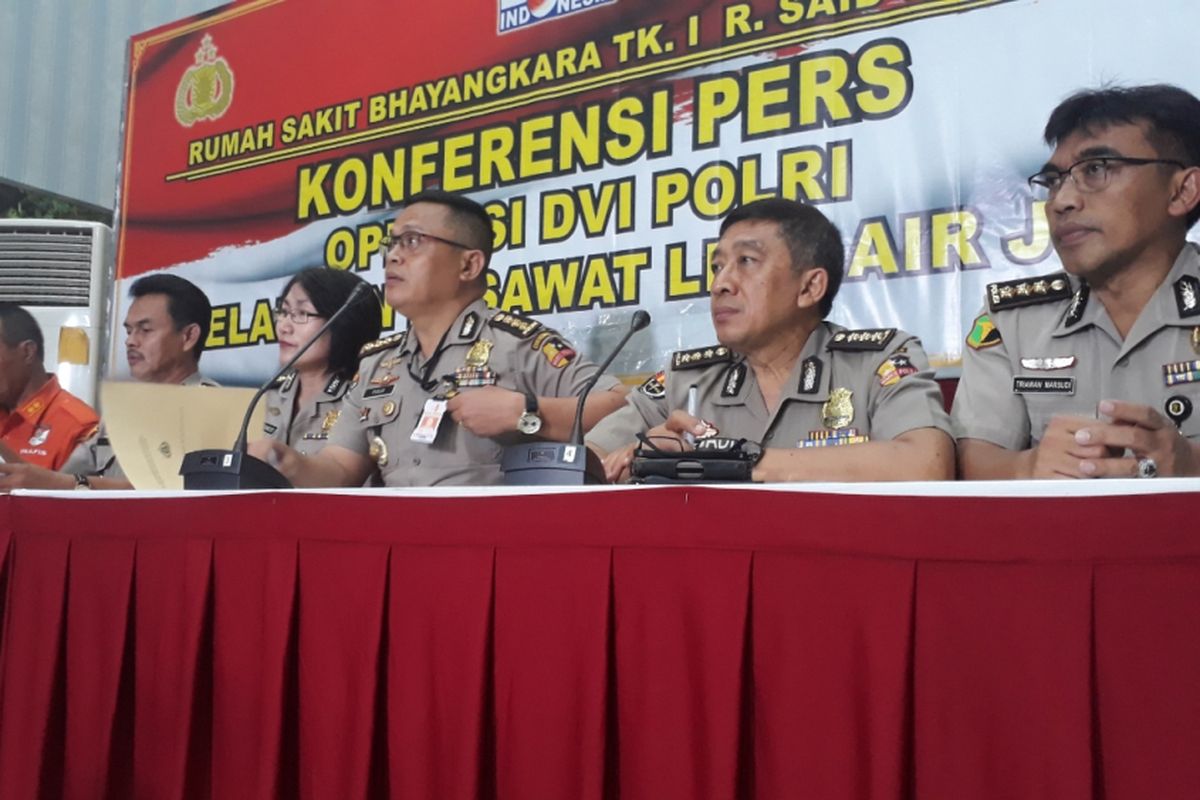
{"type": "Point", "coordinates": [423, 379]}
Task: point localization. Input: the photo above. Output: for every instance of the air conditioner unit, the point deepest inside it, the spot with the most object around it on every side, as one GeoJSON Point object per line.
{"type": "Point", "coordinates": [57, 270]}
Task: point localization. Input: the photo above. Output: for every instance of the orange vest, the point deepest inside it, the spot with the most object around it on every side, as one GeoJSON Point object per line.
{"type": "Point", "coordinates": [46, 428]}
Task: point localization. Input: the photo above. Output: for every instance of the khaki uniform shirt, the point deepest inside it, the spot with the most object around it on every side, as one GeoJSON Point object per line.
{"type": "Point", "coordinates": [308, 429]}
{"type": "Point", "coordinates": [386, 400]}
{"type": "Point", "coordinates": [1032, 356]}
{"type": "Point", "coordinates": [96, 456]}
{"type": "Point", "coordinates": [847, 387]}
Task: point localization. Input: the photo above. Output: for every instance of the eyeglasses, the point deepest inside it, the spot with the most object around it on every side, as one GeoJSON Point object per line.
{"type": "Point", "coordinates": [411, 241]}
{"type": "Point", "coordinates": [297, 317]}
{"type": "Point", "coordinates": [1089, 174]}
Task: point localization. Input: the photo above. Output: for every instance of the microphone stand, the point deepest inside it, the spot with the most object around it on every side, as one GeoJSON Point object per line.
{"type": "Point", "coordinates": [562, 463]}
{"type": "Point", "coordinates": [235, 468]}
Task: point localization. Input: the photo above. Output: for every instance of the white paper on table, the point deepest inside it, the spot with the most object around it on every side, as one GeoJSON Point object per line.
{"type": "Point", "coordinates": [151, 426]}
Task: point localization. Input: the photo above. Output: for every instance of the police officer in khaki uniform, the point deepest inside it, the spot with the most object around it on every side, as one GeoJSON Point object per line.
{"type": "Point", "coordinates": [165, 329]}
{"type": "Point", "coordinates": [1094, 372]}
{"type": "Point", "coordinates": [305, 403]}
{"type": "Point", "coordinates": [435, 404]}
{"type": "Point", "coordinates": [826, 403]}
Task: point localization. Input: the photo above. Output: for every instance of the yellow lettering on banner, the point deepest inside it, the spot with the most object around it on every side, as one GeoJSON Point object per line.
{"type": "Point", "coordinates": [495, 149]}
{"type": "Point", "coordinates": [671, 189]}
{"type": "Point", "coordinates": [822, 79]}
{"type": "Point", "coordinates": [914, 245]}
{"type": "Point", "coordinates": [681, 284]}
{"type": "Point", "coordinates": [217, 325]}
{"type": "Point", "coordinates": [536, 139]}
{"type": "Point", "coordinates": [594, 208]}
{"type": "Point", "coordinates": [240, 142]}
{"type": "Point", "coordinates": [456, 163]}
{"type": "Point", "coordinates": [576, 136]}
{"type": "Point", "coordinates": [630, 132]}
{"type": "Point", "coordinates": [1032, 244]}
{"type": "Point", "coordinates": [236, 336]}
{"type": "Point", "coordinates": [884, 68]}
{"type": "Point", "coordinates": [574, 283]}
{"type": "Point", "coordinates": [423, 165]}
{"type": "Point", "coordinates": [737, 20]}
{"type": "Point", "coordinates": [768, 88]}
{"type": "Point", "coordinates": [508, 223]}
{"type": "Point", "coordinates": [715, 190]}
{"type": "Point", "coordinates": [956, 232]}
{"type": "Point", "coordinates": [387, 177]}
{"type": "Point", "coordinates": [873, 250]}
{"type": "Point", "coordinates": [339, 249]}
{"type": "Point", "coordinates": [717, 100]}
{"type": "Point", "coordinates": [310, 196]}
{"type": "Point", "coordinates": [597, 284]}
{"type": "Point", "coordinates": [558, 216]}
{"type": "Point", "coordinates": [793, 11]}
{"type": "Point", "coordinates": [262, 324]}
{"type": "Point", "coordinates": [800, 173]}
{"type": "Point", "coordinates": [350, 184]}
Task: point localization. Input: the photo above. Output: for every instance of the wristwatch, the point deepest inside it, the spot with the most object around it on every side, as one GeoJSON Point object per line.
{"type": "Point", "coordinates": [82, 481]}
{"type": "Point", "coordinates": [529, 422]}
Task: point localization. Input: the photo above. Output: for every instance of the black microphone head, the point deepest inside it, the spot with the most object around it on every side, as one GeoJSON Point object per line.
{"type": "Point", "coordinates": [640, 319]}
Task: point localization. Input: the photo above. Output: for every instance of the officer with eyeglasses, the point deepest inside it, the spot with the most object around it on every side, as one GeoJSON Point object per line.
{"type": "Point", "coordinates": [436, 403]}
{"type": "Point", "coordinates": [1095, 371]}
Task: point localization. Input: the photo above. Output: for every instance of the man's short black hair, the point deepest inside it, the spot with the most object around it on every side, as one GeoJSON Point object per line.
{"type": "Point", "coordinates": [18, 325]}
{"type": "Point", "coordinates": [471, 221]}
{"type": "Point", "coordinates": [811, 238]}
{"type": "Point", "coordinates": [186, 304]}
{"type": "Point", "coordinates": [327, 289]}
{"type": "Point", "coordinates": [1171, 117]}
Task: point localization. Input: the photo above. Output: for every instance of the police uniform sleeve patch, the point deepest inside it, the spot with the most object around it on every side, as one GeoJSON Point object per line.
{"type": "Point", "coordinates": [864, 339]}
{"type": "Point", "coordinates": [557, 352]}
{"type": "Point", "coordinates": [1028, 291]}
{"type": "Point", "coordinates": [381, 344]}
{"type": "Point", "coordinates": [701, 357]}
{"type": "Point", "coordinates": [984, 334]}
{"type": "Point", "coordinates": [655, 386]}
{"type": "Point", "coordinates": [518, 326]}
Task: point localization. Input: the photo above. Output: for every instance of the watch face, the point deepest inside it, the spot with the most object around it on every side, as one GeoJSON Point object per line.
{"type": "Point", "coordinates": [529, 423]}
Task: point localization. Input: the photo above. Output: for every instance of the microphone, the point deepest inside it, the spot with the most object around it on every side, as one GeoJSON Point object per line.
{"type": "Point", "coordinates": [234, 469]}
{"type": "Point", "coordinates": [562, 463]}
{"type": "Point", "coordinates": [640, 320]}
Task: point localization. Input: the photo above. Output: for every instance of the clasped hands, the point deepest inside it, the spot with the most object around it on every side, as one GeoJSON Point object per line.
{"type": "Point", "coordinates": [1111, 447]}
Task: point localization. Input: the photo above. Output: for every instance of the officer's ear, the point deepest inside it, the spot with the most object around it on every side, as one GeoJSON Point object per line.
{"type": "Point", "coordinates": [27, 352]}
{"type": "Point", "coordinates": [191, 335]}
{"type": "Point", "coordinates": [1185, 194]}
{"type": "Point", "coordinates": [814, 283]}
{"type": "Point", "coordinates": [472, 266]}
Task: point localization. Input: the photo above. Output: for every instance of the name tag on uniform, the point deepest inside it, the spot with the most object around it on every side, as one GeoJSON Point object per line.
{"type": "Point", "coordinates": [431, 419]}
{"type": "Point", "coordinates": [1024, 385]}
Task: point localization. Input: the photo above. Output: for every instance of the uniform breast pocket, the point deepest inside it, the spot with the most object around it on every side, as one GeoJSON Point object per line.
{"type": "Point", "coordinates": [1043, 407]}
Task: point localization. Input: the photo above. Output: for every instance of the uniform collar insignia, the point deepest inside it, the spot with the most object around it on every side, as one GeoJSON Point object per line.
{"type": "Point", "coordinates": [333, 388]}
{"type": "Point", "coordinates": [1187, 296]}
{"type": "Point", "coordinates": [469, 324]}
{"type": "Point", "coordinates": [810, 375]}
{"type": "Point", "coordinates": [732, 380]}
{"type": "Point", "coordinates": [1078, 306]}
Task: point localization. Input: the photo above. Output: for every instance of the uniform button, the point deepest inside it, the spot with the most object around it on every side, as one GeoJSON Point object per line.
{"type": "Point", "coordinates": [768, 437]}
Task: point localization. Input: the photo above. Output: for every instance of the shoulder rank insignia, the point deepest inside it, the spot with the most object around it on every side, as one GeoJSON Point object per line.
{"type": "Point", "coordinates": [700, 357]}
{"type": "Point", "coordinates": [381, 344]}
{"type": "Point", "coordinates": [655, 386]}
{"type": "Point", "coordinates": [1028, 291]}
{"type": "Point", "coordinates": [1187, 296]}
{"type": "Point", "coordinates": [865, 339]}
{"type": "Point", "coordinates": [518, 326]}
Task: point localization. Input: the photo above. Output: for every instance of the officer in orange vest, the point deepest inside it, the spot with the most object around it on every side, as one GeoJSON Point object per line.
{"type": "Point", "coordinates": [40, 422]}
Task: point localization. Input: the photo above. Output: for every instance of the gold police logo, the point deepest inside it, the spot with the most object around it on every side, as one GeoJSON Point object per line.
{"type": "Point", "coordinates": [206, 89]}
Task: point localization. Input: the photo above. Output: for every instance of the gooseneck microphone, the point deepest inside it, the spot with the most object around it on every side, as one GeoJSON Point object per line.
{"type": "Point", "coordinates": [640, 320]}
{"type": "Point", "coordinates": [235, 469]}
{"type": "Point", "coordinates": [562, 463]}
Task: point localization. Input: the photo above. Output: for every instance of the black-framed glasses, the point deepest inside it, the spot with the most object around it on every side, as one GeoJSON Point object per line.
{"type": "Point", "coordinates": [297, 317]}
{"type": "Point", "coordinates": [1089, 174]}
{"type": "Point", "coordinates": [411, 241]}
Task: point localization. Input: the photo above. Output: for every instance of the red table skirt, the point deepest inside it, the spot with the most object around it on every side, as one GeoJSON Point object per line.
{"type": "Point", "coordinates": [681, 643]}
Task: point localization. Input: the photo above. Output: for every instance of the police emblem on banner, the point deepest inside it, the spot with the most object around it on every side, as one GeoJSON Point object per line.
{"type": "Point", "coordinates": [206, 89]}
